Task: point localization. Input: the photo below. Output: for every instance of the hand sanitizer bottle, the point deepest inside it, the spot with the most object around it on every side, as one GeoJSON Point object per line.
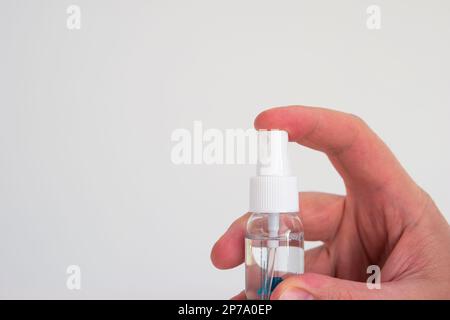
{"type": "Point", "coordinates": [274, 235]}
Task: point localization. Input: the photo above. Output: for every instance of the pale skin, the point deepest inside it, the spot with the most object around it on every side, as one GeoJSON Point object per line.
{"type": "Point", "coordinates": [384, 219]}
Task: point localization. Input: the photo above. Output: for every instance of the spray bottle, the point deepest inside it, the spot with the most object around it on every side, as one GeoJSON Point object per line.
{"type": "Point", "coordinates": [274, 233]}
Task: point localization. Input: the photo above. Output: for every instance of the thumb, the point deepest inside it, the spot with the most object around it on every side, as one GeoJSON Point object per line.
{"type": "Point", "coordinates": [312, 286]}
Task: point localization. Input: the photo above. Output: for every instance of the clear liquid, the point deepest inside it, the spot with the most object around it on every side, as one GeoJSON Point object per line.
{"type": "Point", "coordinates": [269, 261]}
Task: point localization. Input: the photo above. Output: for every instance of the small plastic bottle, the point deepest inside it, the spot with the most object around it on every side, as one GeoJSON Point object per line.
{"type": "Point", "coordinates": [274, 235]}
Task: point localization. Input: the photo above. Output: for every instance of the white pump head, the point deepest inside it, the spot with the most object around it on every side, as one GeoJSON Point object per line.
{"type": "Point", "coordinates": [272, 153]}
{"type": "Point", "coordinates": [273, 190]}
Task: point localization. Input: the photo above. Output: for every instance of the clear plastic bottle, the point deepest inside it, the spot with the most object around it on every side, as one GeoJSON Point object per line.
{"type": "Point", "coordinates": [274, 234]}
{"type": "Point", "coordinates": [271, 256]}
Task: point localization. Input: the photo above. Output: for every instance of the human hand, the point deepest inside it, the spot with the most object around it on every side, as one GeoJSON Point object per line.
{"type": "Point", "coordinates": [384, 219]}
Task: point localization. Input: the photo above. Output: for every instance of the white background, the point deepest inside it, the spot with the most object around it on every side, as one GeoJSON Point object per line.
{"type": "Point", "coordinates": [86, 118]}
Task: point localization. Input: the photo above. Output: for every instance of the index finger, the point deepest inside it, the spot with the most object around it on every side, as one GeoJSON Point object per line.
{"type": "Point", "coordinates": [357, 153]}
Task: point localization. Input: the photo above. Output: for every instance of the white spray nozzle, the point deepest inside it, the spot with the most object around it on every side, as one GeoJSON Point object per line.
{"type": "Point", "coordinates": [272, 153]}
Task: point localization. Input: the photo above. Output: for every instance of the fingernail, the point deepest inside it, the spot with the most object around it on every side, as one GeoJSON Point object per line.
{"type": "Point", "coordinates": [296, 294]}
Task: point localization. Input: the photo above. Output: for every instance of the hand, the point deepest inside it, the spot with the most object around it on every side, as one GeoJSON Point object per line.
{"type": "Point", "coordinates": [385, 219]}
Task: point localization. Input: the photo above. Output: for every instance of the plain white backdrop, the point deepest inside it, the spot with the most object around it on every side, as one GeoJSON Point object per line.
{"type": "Point", "coordinates": [86, 118]}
